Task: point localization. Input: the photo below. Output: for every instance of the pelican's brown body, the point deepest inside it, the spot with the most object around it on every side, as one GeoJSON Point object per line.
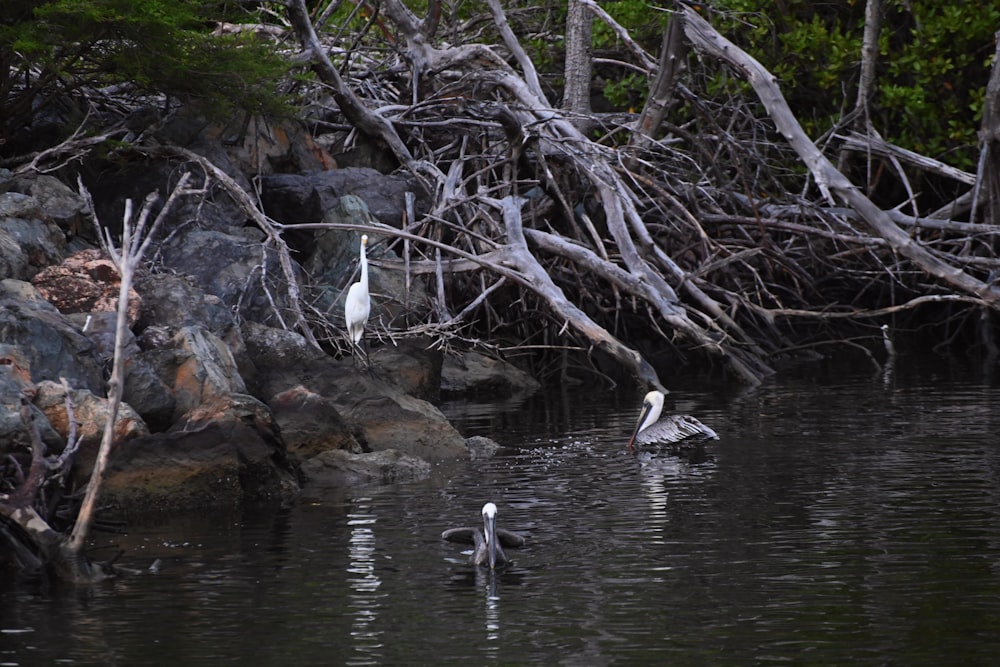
{"type": "Point", "coordinates": [651, 429]}
{"type": "Point", "coordinates": [487, 543]}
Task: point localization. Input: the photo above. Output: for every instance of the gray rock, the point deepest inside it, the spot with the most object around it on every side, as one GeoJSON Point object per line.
{"type": "Point", "coordinates": [481, 447]}
{"type": "Point", "coordinates": [13, 262]}
{"type": "Point", "coordinates": [230, 267]}
{"type": "Point", "coordinates": [377, 413]}
{"type": "Point", "coordinates": [58, 201]}
{"type": "Point", "coordinates": [50, 345]}
{"type": "Point", "coordinates": [15, 384]}
{"type": "Point", "coordinates": [174, 300]}
{"type": "Point", "coordinates": [474, 372]}
{"type": "Point", "coordinates": [28, 243]}
{"type": "Point", "coordinates": [306, 197]}
{"type": "Point", "coordinates": [334, 470]}
{"type": "Point", "coordinates": [144, 391]}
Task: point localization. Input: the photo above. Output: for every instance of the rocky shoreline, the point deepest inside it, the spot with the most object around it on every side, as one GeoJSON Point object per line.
{"type": "Point", "coordinates": [223, 404]}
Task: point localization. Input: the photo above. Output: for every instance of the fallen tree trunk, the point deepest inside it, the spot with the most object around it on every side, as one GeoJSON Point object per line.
{"type": "Point", "coordinates": [518, 256]}
{"type": "Point", "coordinates": [531, 125]}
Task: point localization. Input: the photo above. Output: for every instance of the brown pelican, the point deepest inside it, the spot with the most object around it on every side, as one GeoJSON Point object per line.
{"type": "Point", "coordinates": [651, 430]}
{"type": "Point", "coordinates": [488, 543]}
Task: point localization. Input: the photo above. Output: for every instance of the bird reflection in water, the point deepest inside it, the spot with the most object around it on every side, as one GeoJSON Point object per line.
{"type": "Point", "coordinates": [365, 599]}
{"type": "Point", "coordinates": [487, 581]}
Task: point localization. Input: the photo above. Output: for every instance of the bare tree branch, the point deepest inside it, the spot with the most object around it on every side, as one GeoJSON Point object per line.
{"type": "Point", "coordinates": [830, 181]}
{"type": "Point", "coordinates": [135, 241]}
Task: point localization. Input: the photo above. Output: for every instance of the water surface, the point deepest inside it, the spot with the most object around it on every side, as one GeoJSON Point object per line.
{"type": "Point", "coordinates": [841, 519]}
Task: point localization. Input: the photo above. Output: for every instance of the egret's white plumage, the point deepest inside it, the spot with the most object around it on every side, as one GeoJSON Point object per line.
{"type": "Point", "coordinates": [651, 429]}
{"type": "Point", "coordinates": [487, 543]}
{"type": "Point", "coordinates": [358, 304]}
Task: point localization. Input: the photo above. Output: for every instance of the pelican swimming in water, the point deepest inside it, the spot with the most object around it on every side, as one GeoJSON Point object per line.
{"type": "Point", "coordinates": [651, 430]}
{"type": "Point", "coordinates": [487, 543]}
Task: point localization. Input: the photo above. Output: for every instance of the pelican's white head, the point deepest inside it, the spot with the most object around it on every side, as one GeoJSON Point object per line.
{"type": "Point", "coordinates": [489, 510]}
{"type": "Point", "coordinates": [364, 239]}
{"type": "Point", "coordinates": [652, 406]}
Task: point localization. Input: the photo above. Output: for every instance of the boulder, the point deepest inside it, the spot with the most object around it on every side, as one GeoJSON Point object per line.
{"type": "Point", "coordinates": [381, 417]}
{"type": "Point", "coordinates": [90, 413]}
{"type": "Point", "coordinates": [412, 366]}
{"type": "Point", "coordinates": [85, 282]}
{"type": "Point", "coordinates": [15, 385]}
{"type": "Point", "coordinates": [481, 447]}
{"type": "Point", "coordinates": [228, 453]}
{"type": "Point", "coordinates": [56, 201]}
{"type": "Point", "coordinates": [378, 414]}
{"type": "Point", "coordinates": [232, 267]}
{"type": "Point", "coordinates": [331, 261]}
{"type": "Point", "coordinates": [49, 345]}
{"type": "Point", "coordinates": [334, 470]}
{"type": "Point", "coordinates": [310, 423]}
{"type": "Point", "coordinates": [198, 367]}
{"type": "Point", "coordinates": [471, 372]}
{"type": "Point", "coordinates": [306, 197]}
{"type": "Point", "coordinates": [27, 242]}
{"type": "Point", "coordinates": [144, 390]}
{"type": "Point", "coordinates": [175, 300]}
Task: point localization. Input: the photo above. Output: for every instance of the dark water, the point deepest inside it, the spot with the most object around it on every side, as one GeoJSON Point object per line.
{"type": "Point", "coordinates": [842, 519]}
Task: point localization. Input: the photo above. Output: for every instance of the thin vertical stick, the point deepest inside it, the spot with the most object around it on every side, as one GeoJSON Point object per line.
{"type": "Point", "coordinates": [133, 246]}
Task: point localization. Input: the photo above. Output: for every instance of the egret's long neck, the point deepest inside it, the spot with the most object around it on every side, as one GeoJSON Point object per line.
{"type": "Point", "coordinates": [364, 268]}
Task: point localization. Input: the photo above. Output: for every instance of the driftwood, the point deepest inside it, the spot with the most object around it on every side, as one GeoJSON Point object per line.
{"type": "Point", "coordinates": [531, 124]}
{"type": "Point", "coordinates": [628, 221]}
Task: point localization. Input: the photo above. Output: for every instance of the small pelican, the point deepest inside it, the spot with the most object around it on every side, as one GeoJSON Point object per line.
{"type": "Point", "coordinates": [672, 428]}
{"type": "Point", "coordinates": [489, 542]}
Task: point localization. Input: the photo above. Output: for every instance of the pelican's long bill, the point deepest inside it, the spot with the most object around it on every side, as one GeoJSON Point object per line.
{"type": "Point", "coordinates": [490, 532]}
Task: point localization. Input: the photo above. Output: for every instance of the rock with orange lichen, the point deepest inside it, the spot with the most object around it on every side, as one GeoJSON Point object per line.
{"type": "Point", "coordinates": [85, 282]}
{"type": "Point", "coordinates": [198, 367]}
{"type": "Point", "coordinates": [90, 413]}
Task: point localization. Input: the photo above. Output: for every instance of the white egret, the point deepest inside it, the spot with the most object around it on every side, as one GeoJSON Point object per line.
{"type": "Point", "coordinates": [651, 430]}
{"type": "Point", "coordinates": [358, 305]}
{"type": "Point", "coordinates": [487, 543]}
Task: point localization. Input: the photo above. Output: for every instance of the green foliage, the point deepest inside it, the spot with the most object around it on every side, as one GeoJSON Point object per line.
{"type": "Point", "coordinates": [49, 48]}
{"type": "Point", "coordinates": [933, 67]}
{"type": "Point", "coordinates": [628, 89]}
